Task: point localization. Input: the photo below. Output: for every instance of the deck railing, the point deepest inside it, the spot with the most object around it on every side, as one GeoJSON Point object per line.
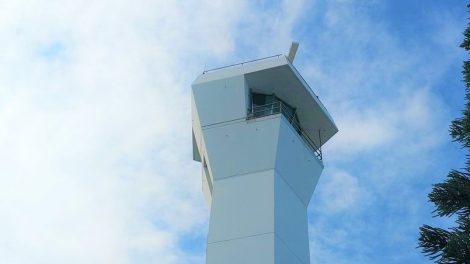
{"type": "Point", "coordinates": [280, 108]}
{"type": "Point", "coordinates": [242, 63]}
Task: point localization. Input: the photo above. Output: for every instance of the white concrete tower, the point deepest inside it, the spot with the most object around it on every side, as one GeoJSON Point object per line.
{"type": "Point", "coordinates": [257, 130]}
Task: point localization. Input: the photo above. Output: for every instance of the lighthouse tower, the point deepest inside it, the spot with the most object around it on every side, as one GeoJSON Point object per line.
{"type": "Point", "coordinates": [258, 129]}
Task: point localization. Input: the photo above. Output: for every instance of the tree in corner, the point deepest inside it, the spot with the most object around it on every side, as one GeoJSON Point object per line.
{"type": "Point", "coordinates": [452, 197]}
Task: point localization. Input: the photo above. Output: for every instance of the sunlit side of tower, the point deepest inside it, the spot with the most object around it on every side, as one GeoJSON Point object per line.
{"type": "Point", "coordinates": [258, 129]}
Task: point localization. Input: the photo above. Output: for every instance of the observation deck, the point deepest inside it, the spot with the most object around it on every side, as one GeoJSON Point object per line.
{"type": "Point", "coordinates": [289, 114]}
{"type": "Point", "coordinates": [277, 76]}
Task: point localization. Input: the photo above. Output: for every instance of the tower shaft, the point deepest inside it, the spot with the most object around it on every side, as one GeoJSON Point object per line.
{"type": "Point", "coordinates": [253, 132]}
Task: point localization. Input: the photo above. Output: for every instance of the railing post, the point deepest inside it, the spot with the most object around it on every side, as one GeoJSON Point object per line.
{"type": "Point", "coordinates": [319, 148]}
{"type": "Point", "coordinates": [270, 109]}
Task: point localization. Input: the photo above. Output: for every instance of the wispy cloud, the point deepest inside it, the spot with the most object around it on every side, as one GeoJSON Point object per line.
{"type": "Point", "coordinates": [341, 191]}
{"type": "Point", "coordinates": [94, 119]}
{"type": "Point", "coordinates": [383, 91]}
{"type": "Point", "coordinates": [95, 123]}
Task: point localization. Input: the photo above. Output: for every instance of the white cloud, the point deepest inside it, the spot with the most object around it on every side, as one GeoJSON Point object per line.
{"type": "Point", "coordinates": [340, 191]}
{"type": "Point", "coordinates": [382, 87]}
{"type": "Point", "coordinates": [409, 119]}
{"type": "Point", "coordinates": [95, 136]}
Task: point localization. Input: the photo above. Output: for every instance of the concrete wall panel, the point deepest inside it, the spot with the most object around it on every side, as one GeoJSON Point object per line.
{"type": "Point", "coordinates": [221, 100]}
{"type": "Point", "coordinates": [242, 147]}
{"type": "Point", "coordinates": [284, 255]}
{"type": "Point", "coordinates": [297, 163]}
{"type": "Point", "coordinates": [252, 250]}
{"type": "Point", "coordinates": [291, 219]}
{"type": "Point", "coordinates": [242, 206]}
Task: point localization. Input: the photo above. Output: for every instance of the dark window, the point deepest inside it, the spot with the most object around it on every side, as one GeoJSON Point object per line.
{"type": "Point", "coordinates": [258, 99]}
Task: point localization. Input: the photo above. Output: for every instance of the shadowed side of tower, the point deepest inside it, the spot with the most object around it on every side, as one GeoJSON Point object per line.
{"type": "Point", "coordinates": [257, 130]}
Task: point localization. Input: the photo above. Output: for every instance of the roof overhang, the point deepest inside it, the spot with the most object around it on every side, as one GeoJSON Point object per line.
{"type": "Point", "coordinates": [276, 75]}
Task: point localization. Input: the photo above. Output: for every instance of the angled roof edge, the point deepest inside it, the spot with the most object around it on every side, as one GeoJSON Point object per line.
{"type": "Point", "coordinates": [242, 68]}
{"type": "Point", "coordinates": [315, 97]}
{"type": "Point", "coordinates": [268, 64]}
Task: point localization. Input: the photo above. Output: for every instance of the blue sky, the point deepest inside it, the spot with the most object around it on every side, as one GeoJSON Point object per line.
{"type": "Point", "coordinates": [95, 135]}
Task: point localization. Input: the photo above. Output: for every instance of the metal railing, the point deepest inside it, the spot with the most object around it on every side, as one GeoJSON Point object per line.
{"type": "Point", "coordinates": [241, 64]}
{"type": "Point", "coordinates": [265, 58]}
{"type": "Point", "coordinates": [280, 108]}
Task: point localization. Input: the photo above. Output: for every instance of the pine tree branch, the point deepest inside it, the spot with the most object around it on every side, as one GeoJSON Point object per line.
{"type": "Point", "coordinates": [433, 241]}
{"type": "Point", "coordinates": [445, 247]}
{"type": "Point", "coordinates": [453, 195]}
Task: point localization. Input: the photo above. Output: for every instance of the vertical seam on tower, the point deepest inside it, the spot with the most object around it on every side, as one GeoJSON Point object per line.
{"type": "Point", "coordinates": [288, 248]}
{"type": "Point", "coordinates": [290, 187]}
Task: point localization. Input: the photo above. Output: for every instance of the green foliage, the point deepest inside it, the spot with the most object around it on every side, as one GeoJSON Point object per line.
{"type": "Point", "coordinates": [466, 41]}
{"type": "Point", "coordinates": [452, 197]}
